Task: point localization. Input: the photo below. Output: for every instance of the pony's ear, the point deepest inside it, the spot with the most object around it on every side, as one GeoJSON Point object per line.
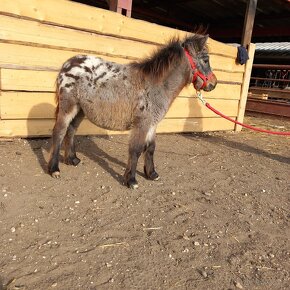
{"type": "Point", "coordinates": [195, 43]}
{"type": "Point", "coordinates": [202, 41]}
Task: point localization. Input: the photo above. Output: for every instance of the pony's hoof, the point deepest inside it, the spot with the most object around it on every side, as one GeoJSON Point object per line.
{"type": "Point", "coordinates": [134, 185]}
{"type": "Point", "coordinates": [55, 174]}
{"type": "Point", "coordinates": [76, 161]}
{"type": "Point", "coordinates": [72, 161]}
{"type": "Point", "coordinates": [154, 176]}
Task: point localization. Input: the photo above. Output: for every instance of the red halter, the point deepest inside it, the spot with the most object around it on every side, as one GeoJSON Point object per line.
{"type": "Point", "coordinates": [196, 72]}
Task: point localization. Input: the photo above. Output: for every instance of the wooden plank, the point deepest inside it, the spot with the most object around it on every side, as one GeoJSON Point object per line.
{"type": "Point", "coordinates": [193, 108]}
{"type": "Point", "coordinates": [28, 80]}
{"type": "Point", "coordinates": [87, 18]}
{"type": "Point", "coordinates": [43, 127]}
{"type": "Point", "coordinates": [194, 125]}
{"type": "Point", "coordinates": [44, 81]}
{"type": "Point", "coordinates": [257, 96]}
{"type": "Point", "coordinates": [24, 105]}
{"type": "Point", "coordinates": [28, 105]}
{"type": "Point", "coordinates": [30, 56]}
{"type": "Point", "coordinates": [245, 86]}
{"type": "Point", "coordinates": [221, 91]}
{"type": "Point", "coordinates": [225, 64]}
{"type": "Point", "coordinates": [216, 47]}
{"type": "Point", "coordinates": [38, 34]}
{"type": "Point", "coordinates": [229, 76]}
{"type": "Point", "coordinates": [75, 15]}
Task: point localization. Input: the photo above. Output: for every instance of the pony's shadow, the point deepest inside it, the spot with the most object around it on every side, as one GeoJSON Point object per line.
{"type": "Point", "coordinates": [92, 151]}
{"type": "Point", "coordinates": [84, 145]}
{"type": "Point", "coordinates": [239, 146]}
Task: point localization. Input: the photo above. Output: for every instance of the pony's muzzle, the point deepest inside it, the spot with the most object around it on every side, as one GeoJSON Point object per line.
{"type": "Point", "coordinates": [211, 83]}
{"type": "Point", "coordinates": [209, 87]}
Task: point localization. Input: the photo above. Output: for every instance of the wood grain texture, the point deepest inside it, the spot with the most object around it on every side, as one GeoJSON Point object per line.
{"type": "Point", "coordinates": [43, 35]}
{"type": "Point", "coordinates": [27, 55]}
{"type": "Point", "coordinates": [83, 17]}
{"type": "Point", "coordinates": [38, 36]}
{"type": "Point", "coordinates": [44, 81]}
{"type": "Point", "coordinates": [30, 105]}
{"type": "Point", "coordinates": [43, 127]}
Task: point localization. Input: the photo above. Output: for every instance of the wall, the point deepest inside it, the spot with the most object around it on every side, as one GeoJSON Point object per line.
{"type": "Point", "coordinates": [36, 37]}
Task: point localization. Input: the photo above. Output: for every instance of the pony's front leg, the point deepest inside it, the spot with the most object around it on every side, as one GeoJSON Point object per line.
{"type": "Point", "coordinates": [136, 147]}
{"type": "Point", "coordinates": [149, 168]}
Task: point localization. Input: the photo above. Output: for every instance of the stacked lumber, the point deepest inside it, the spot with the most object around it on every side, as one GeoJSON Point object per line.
{"type": "Point", "coordinates": [258, 96]}
{"type": "Point", "coordinates": [37, 37]}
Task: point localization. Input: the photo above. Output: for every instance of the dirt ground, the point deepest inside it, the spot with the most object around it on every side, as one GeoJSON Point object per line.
{"type": "Point", "coordinates": [217, 219]}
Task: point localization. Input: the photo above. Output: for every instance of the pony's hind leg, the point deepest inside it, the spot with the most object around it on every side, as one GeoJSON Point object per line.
{"type": "Point", "coordinates": [59, 131]}
{"type": "Point", "coordinates": [70, 156]}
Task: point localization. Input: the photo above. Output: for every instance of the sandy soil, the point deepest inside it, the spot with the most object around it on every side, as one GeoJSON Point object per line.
{"type": "Point", "coordinates": [217, 219]}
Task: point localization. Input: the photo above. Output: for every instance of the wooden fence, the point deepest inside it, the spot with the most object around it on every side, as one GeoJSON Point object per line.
{"type": "Point", "coordinates": [37, 36]}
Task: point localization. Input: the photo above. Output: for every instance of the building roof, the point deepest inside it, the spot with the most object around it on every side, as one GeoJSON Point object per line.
{"type": "Point", "coordinates": [224, 18]}
{"type": "Point", "coordinates": [273, 50]}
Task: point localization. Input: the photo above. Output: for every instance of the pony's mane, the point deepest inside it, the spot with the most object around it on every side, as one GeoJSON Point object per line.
{"type": "Point", "coordinates": [159, 63]}
{"type": "Point", "coordinates": [166, 57]}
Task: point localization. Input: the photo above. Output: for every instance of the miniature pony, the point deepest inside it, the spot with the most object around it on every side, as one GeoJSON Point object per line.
{"type": "Point", "coordinates": [134, 96]}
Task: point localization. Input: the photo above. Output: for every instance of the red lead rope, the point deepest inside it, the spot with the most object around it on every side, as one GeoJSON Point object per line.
{"type": "Point", "coordinates": [237, 122]}
{"type": "Point", "coordinates": [205, 78]}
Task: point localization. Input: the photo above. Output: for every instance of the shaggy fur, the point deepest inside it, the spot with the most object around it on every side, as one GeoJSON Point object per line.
{"type": "Point", "coordinates": [157, 65]}
{"type": "Point", "coordinates": [132, 97]}
{"type": "Point", "coordinates": [168, 57]}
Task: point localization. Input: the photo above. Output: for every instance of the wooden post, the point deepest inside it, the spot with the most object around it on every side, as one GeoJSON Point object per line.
{"type": "Point", "coordinates": [245, 86]}
{"type": "Point", "coordinates": [249, 22]}
{"type": "Point", "coordinates": [246, 42]}
{"type": "Point", "coordinates": [119, 5]}
{"type": "Point", "coordinates": [0, 93]}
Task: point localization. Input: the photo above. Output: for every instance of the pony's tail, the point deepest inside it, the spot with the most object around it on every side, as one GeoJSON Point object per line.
{"type": "Point", "coordinates": [56, 111]}
{"type": "Point", "coordinates": [56, 97]}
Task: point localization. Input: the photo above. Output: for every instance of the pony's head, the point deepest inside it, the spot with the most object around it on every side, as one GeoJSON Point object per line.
{"type": "Point", "coordinates": [196, 50]}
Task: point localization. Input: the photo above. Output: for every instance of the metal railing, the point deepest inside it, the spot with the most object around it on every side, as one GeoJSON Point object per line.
{"type": "Point", "coordinates": [271, 76]}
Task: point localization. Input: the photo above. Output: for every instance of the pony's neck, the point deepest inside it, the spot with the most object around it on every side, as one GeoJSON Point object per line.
{"type": "Point", "coordinates": [177, 79]}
